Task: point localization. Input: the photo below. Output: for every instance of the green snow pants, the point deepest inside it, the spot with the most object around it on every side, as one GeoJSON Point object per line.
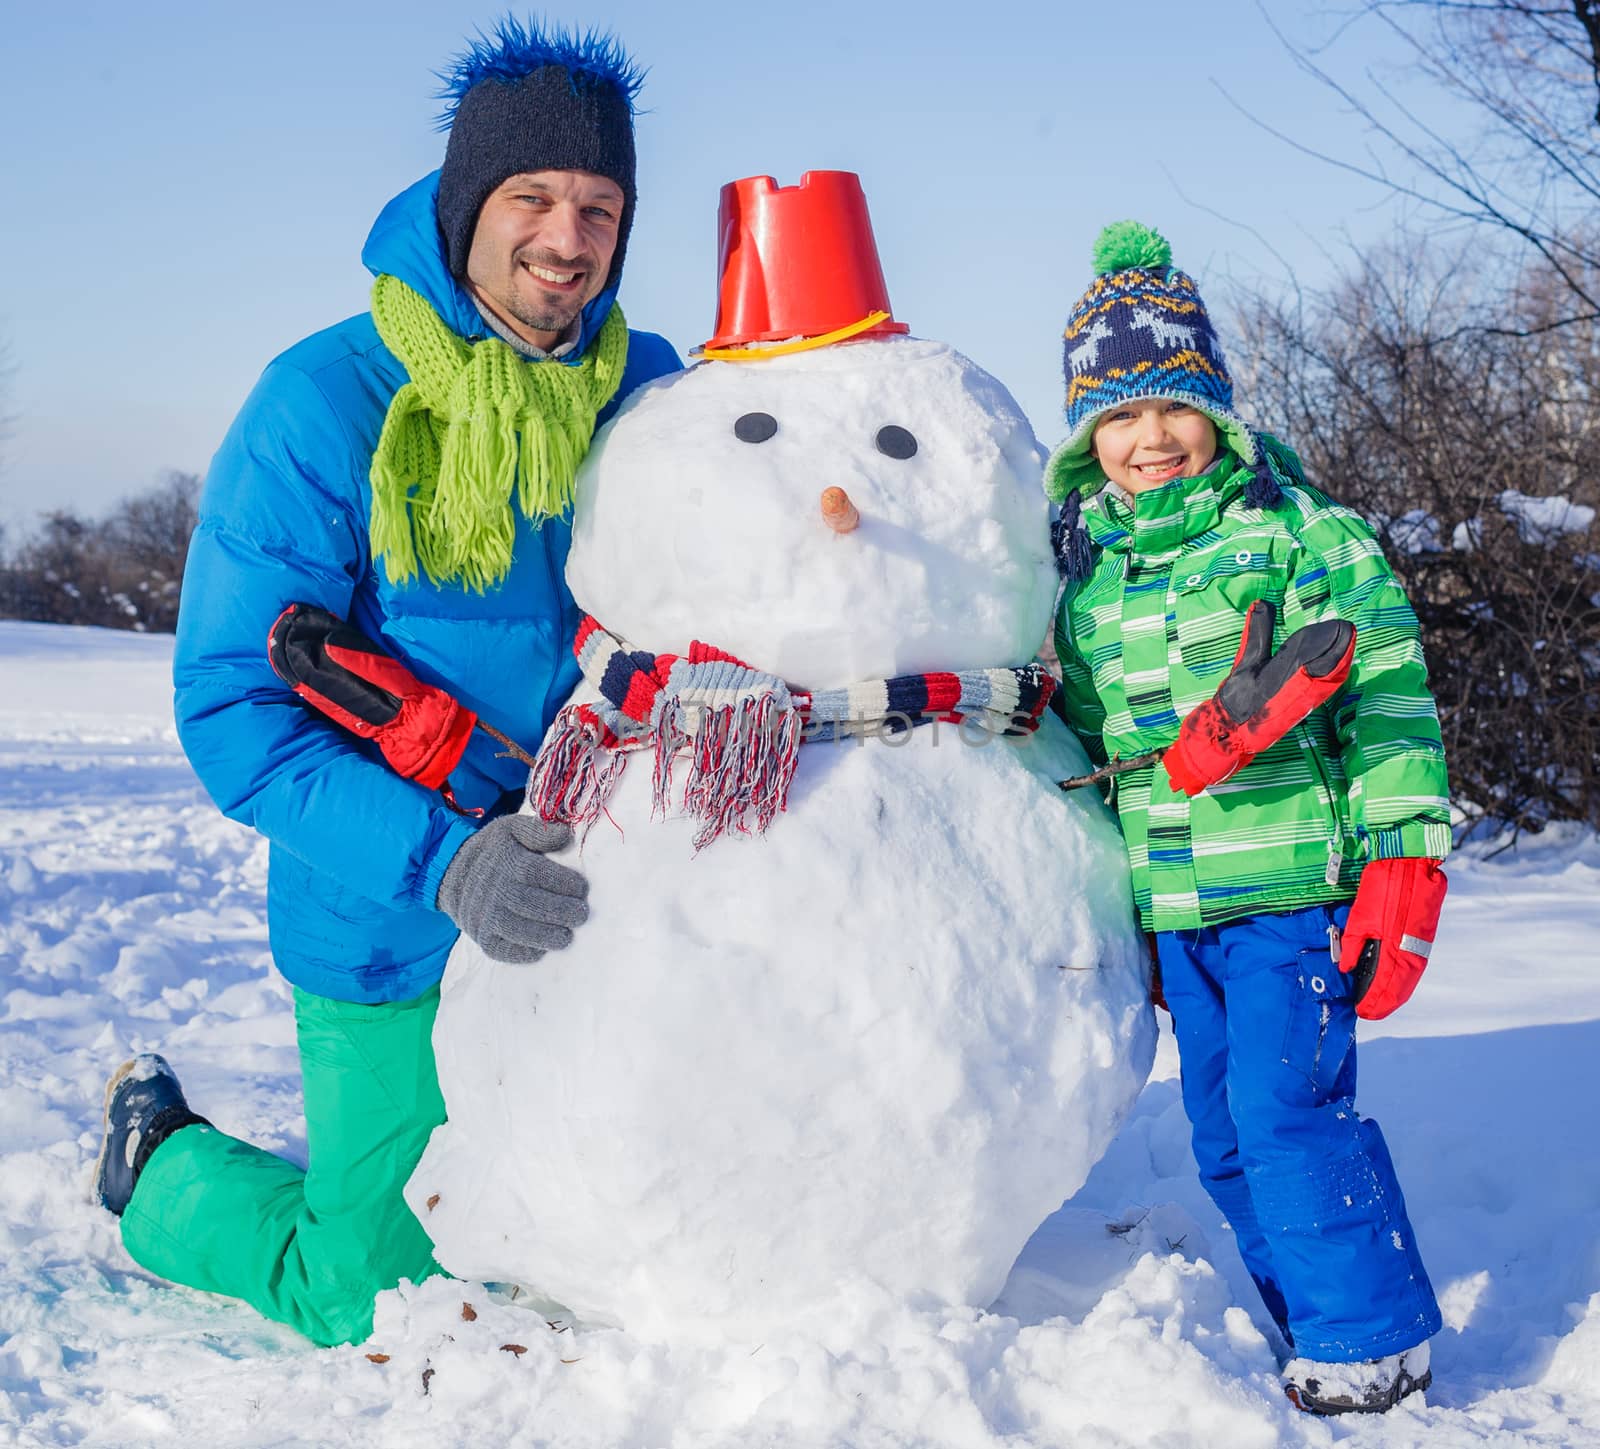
{"type": "Point", "coordinates": [310, 1249]}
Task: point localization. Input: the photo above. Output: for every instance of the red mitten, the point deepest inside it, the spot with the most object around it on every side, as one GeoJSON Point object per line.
{"type": "Point", "coordinates": [421, 730]}
{"type": "Point", "coordinates": [1390, 932]}
{"type": "Point", "coordinates": [1264, 697]}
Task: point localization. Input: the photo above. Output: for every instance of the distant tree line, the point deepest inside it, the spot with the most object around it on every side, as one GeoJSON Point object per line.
{"type": "Point", "coordinates": [120, 571]}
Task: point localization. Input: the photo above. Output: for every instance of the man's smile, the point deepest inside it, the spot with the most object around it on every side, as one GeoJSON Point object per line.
{"type": "Point", "coordinates": [555, 279]}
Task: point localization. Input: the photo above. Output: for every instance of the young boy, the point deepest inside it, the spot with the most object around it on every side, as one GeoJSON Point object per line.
{"type": "Point", "coordinates": [1176, 517]}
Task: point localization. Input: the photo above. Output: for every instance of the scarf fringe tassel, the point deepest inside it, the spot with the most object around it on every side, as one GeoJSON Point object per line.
{"type": "Point", "coordinates": [575, 774]}
{"type": "Point", "coordinates": [742, 761]}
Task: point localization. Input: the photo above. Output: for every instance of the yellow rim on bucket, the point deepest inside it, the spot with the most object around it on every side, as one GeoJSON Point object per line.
{"type": "Point", "coordinates": [757, 351]}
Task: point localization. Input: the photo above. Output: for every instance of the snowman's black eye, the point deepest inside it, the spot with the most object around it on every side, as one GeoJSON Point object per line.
{"type": "Point", "coordinates": [756, 428]}
{"type": "Point", "coordinates": [896, 442]}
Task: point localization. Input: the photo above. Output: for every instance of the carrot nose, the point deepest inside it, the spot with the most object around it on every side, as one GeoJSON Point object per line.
{"type": "Point", "coordinates": [838, 512]}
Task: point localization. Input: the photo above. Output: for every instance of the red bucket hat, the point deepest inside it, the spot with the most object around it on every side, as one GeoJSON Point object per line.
{"type": "Point", "coordinates": [798, 268]}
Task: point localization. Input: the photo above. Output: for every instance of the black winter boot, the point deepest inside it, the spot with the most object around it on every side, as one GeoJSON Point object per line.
{"type": "Point", "coordinates": [1373, 1387]}
{"type": "Point", "coordinates": [144, 1107]}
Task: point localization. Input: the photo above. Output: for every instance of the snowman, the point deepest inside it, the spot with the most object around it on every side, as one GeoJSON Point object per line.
{"type": "Point", "coordinates": [861, 997]}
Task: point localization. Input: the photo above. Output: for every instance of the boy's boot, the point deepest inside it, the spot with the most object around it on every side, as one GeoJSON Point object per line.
{"type": "Point", "coordinates": [1357, 1388]}
{"type": "Point", "coordinates": [144, 1107]}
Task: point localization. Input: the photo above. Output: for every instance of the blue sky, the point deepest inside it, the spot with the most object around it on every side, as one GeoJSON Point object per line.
{"type": "Point", "coordinates": [188, 185]}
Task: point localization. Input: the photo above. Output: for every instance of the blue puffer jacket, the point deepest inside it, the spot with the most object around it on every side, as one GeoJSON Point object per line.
{"type": "Point", "coordinates": [357, 852]}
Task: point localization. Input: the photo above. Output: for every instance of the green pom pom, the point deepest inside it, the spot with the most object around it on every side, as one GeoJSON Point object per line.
{"type": "Point", "coordinates": [1126, 244]}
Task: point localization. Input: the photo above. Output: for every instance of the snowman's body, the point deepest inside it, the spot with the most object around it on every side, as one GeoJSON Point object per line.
{"type": "Point", "coordinates": [880, 1043]}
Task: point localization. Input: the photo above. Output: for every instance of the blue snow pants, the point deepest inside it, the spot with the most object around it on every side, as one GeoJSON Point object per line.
{"type": "Point", "coordinates": [1266, 1039]}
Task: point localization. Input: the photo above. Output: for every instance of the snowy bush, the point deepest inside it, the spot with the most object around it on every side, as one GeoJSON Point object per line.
{"type": "Point", "coordinates": [1451, 402]}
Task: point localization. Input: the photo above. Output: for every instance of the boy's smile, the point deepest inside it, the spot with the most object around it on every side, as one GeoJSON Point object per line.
{"type": "Point", "coordinates": [1165, 469]}
{"type": "Point", "coordinates": [1144, 444]}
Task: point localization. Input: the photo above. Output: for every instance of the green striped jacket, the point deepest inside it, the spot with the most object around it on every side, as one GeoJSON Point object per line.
{"type": "Point", "coordinates": [1153, 630]}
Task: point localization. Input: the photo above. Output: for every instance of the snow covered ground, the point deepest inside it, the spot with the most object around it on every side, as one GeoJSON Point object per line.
{"type": "Point", "coordinates": [131, 917]}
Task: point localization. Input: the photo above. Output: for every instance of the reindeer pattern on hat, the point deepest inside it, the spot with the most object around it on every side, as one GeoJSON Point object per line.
{"type": "Point", "coordinates": [1085, 353]}
{"type": "Point", "coordinates": [1163, 331]}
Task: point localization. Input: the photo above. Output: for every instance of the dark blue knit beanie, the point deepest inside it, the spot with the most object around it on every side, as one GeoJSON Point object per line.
{"type": "Point", "coordinates": [530, 99]}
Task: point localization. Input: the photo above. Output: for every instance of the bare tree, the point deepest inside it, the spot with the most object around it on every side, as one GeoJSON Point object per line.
{"type": "Point", "coordinates": [1527, 73]}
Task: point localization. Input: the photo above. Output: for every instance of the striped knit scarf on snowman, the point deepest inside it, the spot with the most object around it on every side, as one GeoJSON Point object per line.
{"type": "Point", "coordinates": [741, 728]}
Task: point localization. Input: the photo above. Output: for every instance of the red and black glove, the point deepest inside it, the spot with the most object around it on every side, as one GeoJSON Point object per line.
{"type": "Point", "coordinates": [1389, 935]}
{"type": "Point", "coordinates": [1264, 697]}
{"type": "Point", "coordinates": [336, 669]}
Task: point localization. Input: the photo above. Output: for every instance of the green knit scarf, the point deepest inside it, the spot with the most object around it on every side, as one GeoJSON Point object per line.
{"type": "Point", "coordinates": [475, 421]}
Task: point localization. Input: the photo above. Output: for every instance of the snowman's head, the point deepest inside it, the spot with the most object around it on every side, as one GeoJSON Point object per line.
{"type": "Point", "coordinates": [700, 516]}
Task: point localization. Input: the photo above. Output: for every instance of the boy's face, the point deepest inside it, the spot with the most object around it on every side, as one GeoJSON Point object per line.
{"type": "Point", "coordinates": [1143, 444]}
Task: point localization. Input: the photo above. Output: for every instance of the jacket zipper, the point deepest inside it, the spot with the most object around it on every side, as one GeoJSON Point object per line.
{"type": "Point", "coordinates": [1339, 835]}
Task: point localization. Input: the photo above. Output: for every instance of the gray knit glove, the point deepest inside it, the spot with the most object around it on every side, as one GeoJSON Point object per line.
{"type": "Point", "coordinates": [505, 894]}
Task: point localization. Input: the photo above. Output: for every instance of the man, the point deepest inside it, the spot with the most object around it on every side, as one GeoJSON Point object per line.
{"type": "Point", "coordinates": [407, 470]}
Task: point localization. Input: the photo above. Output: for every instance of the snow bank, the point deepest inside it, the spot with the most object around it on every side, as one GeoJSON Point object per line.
{"type": "Point", "coordinates": [1127, 1320]}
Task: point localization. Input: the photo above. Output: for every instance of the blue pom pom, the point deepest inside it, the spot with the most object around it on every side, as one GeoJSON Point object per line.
{"type": "Point", "coordinates": [1263, 490]}
{"type": "Point", "coordinates": [513, 50]}
{"type": "Point", "coordinates": [1070, 541]}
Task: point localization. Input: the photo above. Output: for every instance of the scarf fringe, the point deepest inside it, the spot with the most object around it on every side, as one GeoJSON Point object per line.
{"type": "Point", "coordinates": [552, 449]}
{"type": "Point", "coordinates": [575, 774]}
{"type": "Point", "coordinates": [742, 760]}
{"type": "Point", "coordinates": [405, 466]}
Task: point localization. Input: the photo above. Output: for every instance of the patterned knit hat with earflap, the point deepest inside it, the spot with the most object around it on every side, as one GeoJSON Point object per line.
{"type": "Point", "coordinates": [1140, 331]}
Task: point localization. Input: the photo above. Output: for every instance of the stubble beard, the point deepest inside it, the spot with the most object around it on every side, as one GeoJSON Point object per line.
{"type": "Point", "coordinates": [549, 318]}
{"type": "Point", "coordinates": [553, 315]}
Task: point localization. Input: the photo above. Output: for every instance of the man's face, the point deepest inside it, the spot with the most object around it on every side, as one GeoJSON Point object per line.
{"type": "Point", "coordinates": [1146, 444]}
{"type": "Point", "coordinates": [542, 248]}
